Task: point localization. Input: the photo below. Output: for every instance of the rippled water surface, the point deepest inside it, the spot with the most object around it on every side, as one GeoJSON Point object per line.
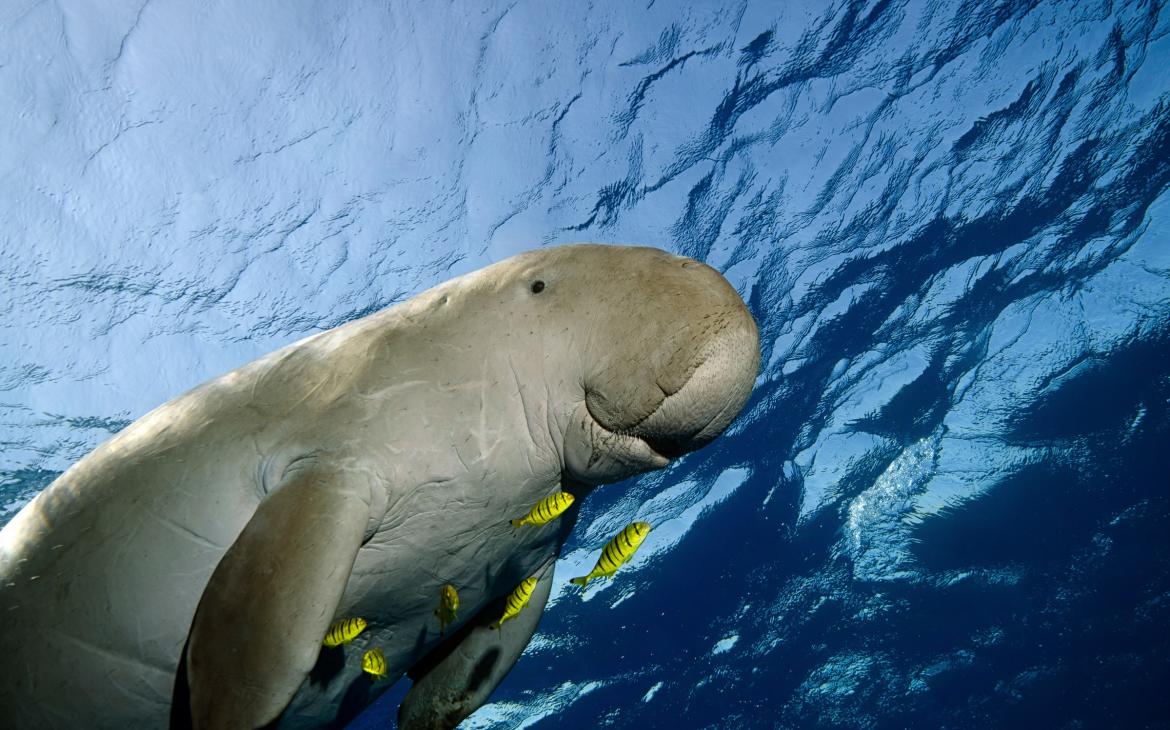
{"type": "Point", "coordinates": [945, 504]}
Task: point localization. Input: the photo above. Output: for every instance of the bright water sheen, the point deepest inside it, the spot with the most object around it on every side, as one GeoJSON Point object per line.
{"type": "Point", "coordinates": [946, 503]}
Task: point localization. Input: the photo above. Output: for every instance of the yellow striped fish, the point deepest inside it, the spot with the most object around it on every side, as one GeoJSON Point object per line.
{"type": "Point", "coordinates": [344, 631]}
{"type": "Point", "coordinates": [374, 663]}
{"type": "Point", "coordinates": [616, 552]}
{"type": "Point", "coordinates": [448, 605]}
{"type": "Point", "coordinates": [516, 601]}
{"type": "Point", "coordinates": [546, 510]}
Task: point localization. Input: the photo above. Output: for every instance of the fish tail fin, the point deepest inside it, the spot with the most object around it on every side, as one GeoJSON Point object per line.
{"type": "Point", "coordinates": [495, 626]}
{"type": "Point", "coordinates": [580, 581]}
{"type": "Point", "coordinates": [516, 523]}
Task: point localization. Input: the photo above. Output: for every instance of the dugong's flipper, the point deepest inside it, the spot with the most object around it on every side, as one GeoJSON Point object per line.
{"type": "Point", "coordinates": [465, 671]}
{"type": "Point", "coordinates": [259, 624]}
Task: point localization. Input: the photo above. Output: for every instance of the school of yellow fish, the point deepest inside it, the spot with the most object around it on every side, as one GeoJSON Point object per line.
{"type": "Point", "coordinates": [616, 553]}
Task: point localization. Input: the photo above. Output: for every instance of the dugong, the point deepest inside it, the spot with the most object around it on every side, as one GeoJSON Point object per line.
{"type": "Point", "coordinates": [185, 572]}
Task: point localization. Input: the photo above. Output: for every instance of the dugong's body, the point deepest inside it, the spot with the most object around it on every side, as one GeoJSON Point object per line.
{"type": "Point", "coordinates": [186, 571]}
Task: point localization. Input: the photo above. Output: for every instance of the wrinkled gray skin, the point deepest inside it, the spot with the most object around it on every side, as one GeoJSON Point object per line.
{"type": "Point", "coordinates": [353, 474]}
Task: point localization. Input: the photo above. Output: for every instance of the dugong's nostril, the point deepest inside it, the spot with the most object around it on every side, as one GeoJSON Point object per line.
{"type": "Point", "coordinates": [691, 264]}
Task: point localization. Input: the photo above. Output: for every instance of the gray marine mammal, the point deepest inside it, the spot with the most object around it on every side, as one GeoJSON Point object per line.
{"type": "Point", "coordinates": [197, 558]}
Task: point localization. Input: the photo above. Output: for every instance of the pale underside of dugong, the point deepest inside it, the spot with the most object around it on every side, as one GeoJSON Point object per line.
{"type": "Point", "coordinates": [185, 572]}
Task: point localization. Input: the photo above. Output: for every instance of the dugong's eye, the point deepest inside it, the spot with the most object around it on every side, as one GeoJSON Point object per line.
{"type": "Point", "coordinates": [537, 286]}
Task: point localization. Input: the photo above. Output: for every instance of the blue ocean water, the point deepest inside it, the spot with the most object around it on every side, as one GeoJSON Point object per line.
{"type": "Point", "coordinates": [945, 504]}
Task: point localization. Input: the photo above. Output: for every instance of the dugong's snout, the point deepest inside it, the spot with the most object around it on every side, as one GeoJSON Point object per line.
{"type": "Point", "coordinates": [669, 371]}
{"type": "Point", "coordinates": [713, 395]}
{"type": "Point", "coordinates": [720, 377]}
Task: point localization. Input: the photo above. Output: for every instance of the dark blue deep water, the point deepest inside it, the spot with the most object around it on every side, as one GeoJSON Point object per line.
{"type": "Point", "coordinates": [947, 504]}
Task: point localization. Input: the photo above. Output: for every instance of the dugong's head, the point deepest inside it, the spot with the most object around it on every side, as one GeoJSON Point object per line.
{"type": "Point", "coordinates": [662, 351]}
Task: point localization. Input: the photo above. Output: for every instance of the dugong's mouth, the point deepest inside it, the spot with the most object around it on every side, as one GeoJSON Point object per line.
{"type": "Point", "coordinates": [694, 414]}
{"type": "Point", "coordinates": [682, 422]}
{"type": "Point", "coordinates": [668, 448]}
{"type": "Point", "coordinates": [596, 454]}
